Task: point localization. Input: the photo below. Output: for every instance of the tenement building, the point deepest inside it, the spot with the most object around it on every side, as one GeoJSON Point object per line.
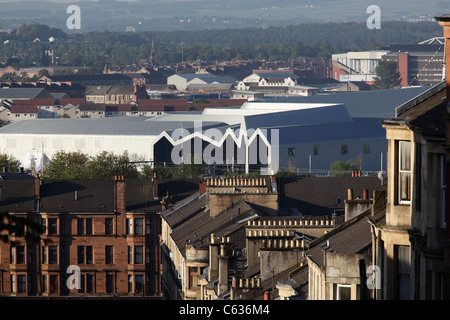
{"type": "Point", "coordinates": [100, 238]}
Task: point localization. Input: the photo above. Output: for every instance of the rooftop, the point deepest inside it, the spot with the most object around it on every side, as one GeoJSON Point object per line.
{"type": "Point", "coordinates": [322, 195]}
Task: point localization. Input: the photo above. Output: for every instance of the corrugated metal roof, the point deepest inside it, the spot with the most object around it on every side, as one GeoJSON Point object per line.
{"type": "Point", "coordinates": [376, 103]}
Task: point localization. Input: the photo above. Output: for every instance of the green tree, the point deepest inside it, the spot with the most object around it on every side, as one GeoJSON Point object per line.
{"type": "Point", "coordinates": [342, 168]}
{"type": "Point", "coordinates": [9, 162]}
{"type": "Point", "coordinates": [387, 75]}
{"type": "Point", "coordinates": [68, 165]}
{"type": "Point", "coordinates": [77, 165]}
{"type": "Point", "coordinates": [106, 165]}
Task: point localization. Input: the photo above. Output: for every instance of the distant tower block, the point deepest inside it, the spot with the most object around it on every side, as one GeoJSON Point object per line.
{"type": "Point", "coordinates": [153, 53]}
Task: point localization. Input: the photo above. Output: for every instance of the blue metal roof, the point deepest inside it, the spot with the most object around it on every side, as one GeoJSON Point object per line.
{"type": "Point", "coordinates": [376, 103]}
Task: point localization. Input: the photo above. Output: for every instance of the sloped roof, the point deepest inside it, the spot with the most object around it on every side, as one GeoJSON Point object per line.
{"type": "Point", "coordinates": [426, 113]}
{"type": "Point", "coordinates": [319, 195]}
{"type": "Point", "coordinates": [88, 77]}
{"type": "Point", "coordinates": [207, 77]}
{"type": "Point", "coordinates": [374, 103]}
{"type": "Point", "coordinates": [276, 75]}
{"type": "Point", "coordinates": [184, 210]}
{"type": "Point", "coordinates": [352, 237]}
{"type": "Point", "coordinates": [91, 196]}
{"type": "Point", "coordinates": [24, 93]}
{"type": "Point", "coordinates": [114, 89]}
{"type": "Point", "coordinates": [17, 194]}
{"type": "Point", "coordinates": [197, 230]}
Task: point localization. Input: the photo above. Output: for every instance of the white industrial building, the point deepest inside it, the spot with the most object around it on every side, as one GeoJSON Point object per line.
{"type": "Point", "coordinates": [360, 66]}
{"type": "Point", "coordinates": [303, 136]}
{"type": "Point", "coordinates": [183, 81]}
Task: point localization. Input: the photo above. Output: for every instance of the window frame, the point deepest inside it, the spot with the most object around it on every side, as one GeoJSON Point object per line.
{"type": "Point", "coordinates": [404, 172]}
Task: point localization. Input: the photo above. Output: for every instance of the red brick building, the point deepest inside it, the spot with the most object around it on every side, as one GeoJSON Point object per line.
{"type": "Point", "coordinates": [109, 229]}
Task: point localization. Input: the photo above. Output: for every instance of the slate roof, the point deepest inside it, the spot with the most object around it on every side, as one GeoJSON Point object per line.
{"type": "Point", "coordinates": [91, 196]}
{"type": "Point", "coordinates": [114, 89]}
{"type": "Point", "coordinates": [17, 193]}
{"type": "Point", "coordinates": [426, 113]}
{"type": "Point", "coordinates": [353, 237]}
{"type": "Point", "coordinates": [184, 210]}
{"type": "Point", "coordinates": [322, 195]}
{"type": "Point", "coordinates": [89, 77]}
{"type": "Point", "coordinates": [229, 222]}
{"type": "Point", "coordinates": [90, 106]}
{"type": "Point", "coordinates": [24, 93]}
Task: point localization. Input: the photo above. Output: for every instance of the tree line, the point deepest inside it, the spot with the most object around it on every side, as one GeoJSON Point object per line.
{"type": "Point", "coordinates": [95, 49]}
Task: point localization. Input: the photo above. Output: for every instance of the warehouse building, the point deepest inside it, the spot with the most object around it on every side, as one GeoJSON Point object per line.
{"type": "Point", "coordinates": [302, 137]}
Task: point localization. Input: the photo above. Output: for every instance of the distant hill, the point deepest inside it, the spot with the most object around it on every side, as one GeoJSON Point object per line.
{"type": "Point", "coordinates": [169, 15]}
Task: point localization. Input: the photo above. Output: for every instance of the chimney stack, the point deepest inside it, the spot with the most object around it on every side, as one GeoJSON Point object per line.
{"type": "Point", "coordinates": [119, 194]}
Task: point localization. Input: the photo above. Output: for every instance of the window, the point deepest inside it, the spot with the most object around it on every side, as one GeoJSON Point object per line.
{"type": "Point", "coordinates": [108, 254]}
{"type": "Point", "coordinates": [53, 283]}
{"type": "Point", "coordinates": [138, 255]}
{"type": "Point", "coordinates": [52, 226]}
{"type": "Point", "coordinates": [21, 284]}
{"type": "Point", "coordinates": [130, 255]}
{"type": "Point", "coordinates": [13, 283]}
{"type": "Point", "coordinates": [89, 283]}
{"type": "Point", "coordinates": [84, 254]}
{"type": "Point", "coordinates": [108, 226]}
{"type": "Point", "coordinates": [193, 277]}
{"type": "Point", "coordinates": [84, 226]}
{"type": "Point", "coordinates": [12, 256]}
{"type": "Point", "coordinates": [80, 226]}
{"type": "Point", "coordinates": [129, 223]}
{"type": "Point", "coordinates": [404, 172]}
{"type": "Point", "coordinates": [316, 150]}
{"type": "Point", "coordinates": [88, 225]}
{"type": "Point", "coordinates": [44, 254]}
{"type": "Point", "coordinates": [52, 254]}
{"type": "Point", "coordinates": [89, 255]}
{"type": "Point", "coordinates": [109, 283]}
{"type": "Point", "coordinates": [44, 283]}
{"type": "Point", "coordinates": [130, 283]}
{"type": "Point", "coordinates": [138, 226]}
{"type": "Point", "coordinates": [139, 283]}
{"type": "Point", "coordinates": [291, 151]}
{"type": "Point", "coordinates": [403, 262]}
{"type": "Point", "coordinates": [366, 148]}
{"type": "Point", "coordinates": [80, 254]}
{"type": "Point", "coordinates": [343, 292]}
{"type": "Point", "coordinates": [344, 149]}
